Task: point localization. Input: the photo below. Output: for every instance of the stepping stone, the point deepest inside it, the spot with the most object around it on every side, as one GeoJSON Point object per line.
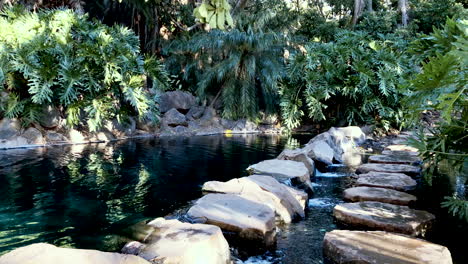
{"type": "Point", "coordinates": [172, 241]}
{"type": "Point", "coordinates": [393, 159]}
{"type": "Point", "coordinates": [249, 220]}
{"type": "Point", "coordinates": [396, 181]}
{"type": "Point", "coordinates": [401, 147]}
{"type": "Point", "coordinates": [385, 217]}
{"type": "Point", "coordinates": [42, 253]}
{"type": "Point", "coordinates": [373, 247]}
{"type": "Point", "coordinates": [400, 153]}
{"type": "Point", "coordinates": [284, 171]}
{"type": "Point", "coordinates": [390, 168]}
{"type": "Point", "coordinates": [361, 194]}
{"type": "Point", "coordinates": [263, 189]}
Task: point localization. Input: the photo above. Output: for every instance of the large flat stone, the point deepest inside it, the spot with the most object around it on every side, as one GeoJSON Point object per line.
{"type": "Point", "coordinates": [264, 189]}
{"type": "Point", "coordinates": [399, 153]}
{"type": "Point", "coordinates": [394, 159]}
{"type": "Point", "coordinates": [375, 247]}
{"type": "Point", "coordinates": [42, 253]}
{"type": "Point", "coordinates": [298, 155]}
{"type": "Point", "coordinates": [249, 220]}
{"type": "Point", "coordinates": [390, 168]}
{"type": "Point", "coordinates": [385, 217]}
{"type": "Point", "coordinates": [361, 194]}
{"type": "Point", "coordinates": [401, 147]}
{"type": "Point", "coordinates": [172, 241]}
{"type": "Point", "coordinates": [396, 181]}
{"type": "Point", "coordinates": [284, 171]}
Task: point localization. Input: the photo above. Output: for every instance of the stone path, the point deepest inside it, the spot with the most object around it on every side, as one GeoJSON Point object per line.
{"type": "Point", "coordinates": [379, 202]}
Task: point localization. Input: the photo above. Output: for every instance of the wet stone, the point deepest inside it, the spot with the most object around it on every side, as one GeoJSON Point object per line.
{"type": "Point", "coordinates": [401, 147]}
{"type": "Point", "coordinates": [385, 217]}
{"type": "Point", "coordinates": [374, 247]}
{"type": "Point", "coordinates": [396, 181]}
{"type": "Point", "coordinates": [394, 159]}
{"type": "Point", "coordinates": [360, 194]}
{"type": "Point", "coordinates": [390, 168]}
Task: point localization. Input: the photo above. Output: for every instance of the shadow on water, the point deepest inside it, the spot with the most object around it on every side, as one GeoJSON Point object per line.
{"type": "Point", "coordinates": [85, 196]}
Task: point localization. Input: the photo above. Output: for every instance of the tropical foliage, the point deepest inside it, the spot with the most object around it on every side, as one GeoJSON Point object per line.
{"type": "Point", "coordinates": [87, 70]}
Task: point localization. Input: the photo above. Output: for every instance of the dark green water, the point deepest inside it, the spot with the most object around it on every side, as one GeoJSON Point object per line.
{"type": "Point", "coordinates": [85, 196]}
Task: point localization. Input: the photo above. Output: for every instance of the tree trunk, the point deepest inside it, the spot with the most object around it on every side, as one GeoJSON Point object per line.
{"type": "Point", "coordinates": [403, 8]}
{"type": "Point", "coordinates": [358, 7]}
{"type": "Point", "coordinates": [369, 6]}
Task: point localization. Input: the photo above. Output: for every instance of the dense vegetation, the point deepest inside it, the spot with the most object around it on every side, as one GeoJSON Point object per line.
{"type": "Point", "coordinates": [334, 62]}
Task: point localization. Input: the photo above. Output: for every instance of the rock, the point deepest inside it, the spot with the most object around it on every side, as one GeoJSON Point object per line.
{"type": "Point", "coordinates": [179, 100]}
{"type": "Point", "coordinates": [104, 135]}
{"type": "Point", "coordinates": [172, 241]}
{"type": "Point", "coordinates": [399, 153]}
{"type": "Point", "coordinates": [394, 159]}
{"type": "Point", "coordinates": [174, 118]}
{"type": "Point", "coordinates": [400, 147]}
{"type": "Point", "coordinates": [55, 137]}
{"type": "Point", "coordinates": [353, 133]}
{"type": "Point", "coordinates": [250, 221]}
{"type": "Point", "coordinates": [390, 168]}
{"type": "Point", "coordinates": [227, 124]}
{"type": "Point", "coordinates": [196, 112]}
{"type": "Point", "coordinates": [33, 136]}
{"type": "Point", "coordinates": [264, 189]}
{"type": "Point", "coordinates": [76, 136]}
{"type": "Point", "coordinates": [9, 128]}
{"type": "Point", "coordinates": [343, 141]}
{"type": "Point", "coordinates": [284, 171]}
{"type": "Point", "coordinates": [50, 117]}
{"type": "Point", "coordinates": [373, 247]}
{"type": "Point", "coordinates": [244, 126]}
{"type": "Point", "coordinates": [42, 253]}
{"type": "Point", "coordinates": [301, 196]}
{"type": "Point", "coordinates": [298, 155]}
{"type": "Point", "coordinates": [385, 217]}
{"type": "Point", "coordinates": [13, 142]}
{"type": "Point", "coordinates": [396, 181]}
{"type": "Point", "coordinates": [121, 130]}
{"type": "Point", "coordinates": [361, 194]}
{"type": "Point", "coordinates": [319, 150]}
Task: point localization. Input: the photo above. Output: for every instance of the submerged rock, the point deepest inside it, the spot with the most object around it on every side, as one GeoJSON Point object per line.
{"type": "Point", "coordinates": [360, 194]}
{"type": "Point", "coordinates": [390, 168]}
{"type": "Point", "coordinates": [298, 155]}
{"type": "Point", "coordinates": [250, 221]}
{"type": "Point", "coordinates": [396, 181]}
{"type": "Point", "coordinates": [394, 159]}
{"type": "Point", "coordinates": [284, 171]}
{"type": "Point", "coordinates": [174, 242]}
{"type": "Point", "coordinates": [264, 189]}
{"type": "Point", "coordinates": [373, 247]}
{"type": "Point", "coordinates": [385, 217]}
{"type": "Point", "coordinates": [42, 253]}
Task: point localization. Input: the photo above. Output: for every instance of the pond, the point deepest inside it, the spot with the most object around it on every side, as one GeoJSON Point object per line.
{"type": "Point", "coordinates": [85, 196]}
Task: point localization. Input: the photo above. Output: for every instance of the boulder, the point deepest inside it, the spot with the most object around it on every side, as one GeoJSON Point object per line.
{"type": "Point", "coordinates": [264, 189]}
{"type": "Point", "coordinates": [248, 220]}
{"type": "Point", "coordinates": [76, 136]}
{"type": "Point", "coordinates": [284, 171]}
{"type": "Point", "coordinates": [396, 181]}
{"type": "Point", "coordinates": [174, 118]}
{"type": "Point", "coordinates": [50, 117]}
{"type": "Point", "coordinates": [394, 159]}
{"type": "Point", "coordinates": [55, 137]}
{"type": "Point", "coordinates": [9, 128]}
{"type": "Point", "coordinates": [196, 112]}
{"type": "Point", "coordinates": [361, 194]}
{"type": "Point", "coordinates": [121, 130]}
{"type": "Point", "coordinates": [174, 242]}
{"type": "Point", "coordinates": [399, 153]}
{"type": "Point", "coordinates": [179, 100]}
{"type": "Point", "coordinates": [301, 196]}
{"type": "Point", "coordinates": [385, 217]}
{"type": "Point", "coordinates": [390, 168]}
{"type": "Point", "coordinates": [42, 253]}
{"type": "Point", "coordinates": [343, 141]}
{"type": "Point", "coordinates": [33, 136]}
{"type": "Point", "coordinates": [372, 247]}
{"type": "Point", "coordinates": [104, 135]}
{"type": "Point", "coordinates": [319, 150]}
{"type": "Point", "coordinates": [244, 126]}
{"type": "Point", "coordinates": [400, 147]}
{"type": "Point", "coordinates": [298, 155]}
{"type": "Point", "coordinates": [13, 142]}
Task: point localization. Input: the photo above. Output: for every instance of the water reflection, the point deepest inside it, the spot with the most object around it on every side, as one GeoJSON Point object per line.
{"type": "Point", "coordinates": [87, 195]}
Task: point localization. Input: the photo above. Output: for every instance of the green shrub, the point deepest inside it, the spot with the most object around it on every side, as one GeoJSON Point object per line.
{"type": "Point", "coordinates": [353, 79]}
{"type": "Point", "coordinates": [87, 70]}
